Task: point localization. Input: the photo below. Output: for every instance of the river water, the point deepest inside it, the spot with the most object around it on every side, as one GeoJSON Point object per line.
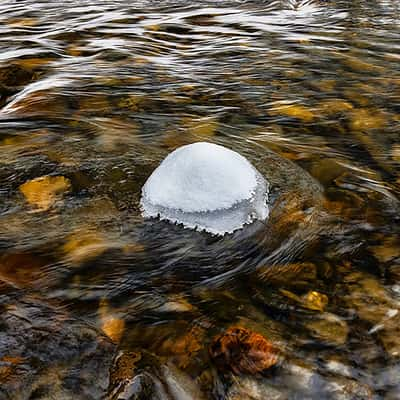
{"type": "Point", "coordinates": [94, 94]}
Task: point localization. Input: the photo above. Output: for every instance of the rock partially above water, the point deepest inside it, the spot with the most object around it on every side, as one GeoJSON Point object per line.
{"type": "Point", "coordinates": [207, 187]}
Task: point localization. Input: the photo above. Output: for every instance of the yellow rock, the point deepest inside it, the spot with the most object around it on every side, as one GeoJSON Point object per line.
{"type": "Point", "coordinates": [363, 119]}
{"type": "Point", "coordinates": [22, 22]}
{"type": "Point", "coordinates": [130, 80]}
{"type": "Point", "coordinates": [357, 96]}
{"type": "Point", "coordinates": [141, 60]}
{"type": "Point", "coordinates": [173, 140]}
{"type": "Point", "coordinates": [294, 73]}
{"type": "Point", "coordinates": [184, 347]}
{"type": "Point", "coordinates": [396, 152]}
{"type": "Point", "coordinates": [327, 169]}
{"type": "Point", "coordinates": [96, 104]}
{"type": "Point", "coordinates": [204, 127]}
{"type": "Point", "coordinates": [74, 51]}
{"type": "Point", "coordinates": [329, 328]}
{"type": "Point", "coordinates": [84, 245]}
{"type": "Point", "coordinates": [392, 56]}
{"type": "Point", "coordinates": [357, 65]}
{"type": "Point", "coordinates": [95, 211]}
{"type": "Point", "coordinates": [387, 251]}
{"type": "Point", "coordinates": [312, 300]}
{"type": "Point", "coordinates": [315, 301]}
{"type": "Point", "coordinates": [294, 111]}
{"type": "Point", "coordinates": [290, 295]}
{"type": "Point", "coordinates": [176, 303]}
{"type": "Point", "coordinates": [130, 102]}
{"type": "Point", "coordinates": [124, 367]}
{"type": "Point", "coordinates": [31, 63]}
{"type": "Point", "coordinates": [133, 248]}
{"type": "Point", "coordinates": [64, 159]}
{"type": "Point", "coordinates": [326, 85]}
{"type": "Point", "coordinates": [15, 146]}
{"type": "Point", "coordinates": [335, 106]}
{"type": "Point", "coordinates": [153, 28]}
{"type": "Point", "coordinates": [44, 191]}
{"type": "Point", "coordinates": [187, 88]}
{"type": "Point", "coordinates": [41, 102]}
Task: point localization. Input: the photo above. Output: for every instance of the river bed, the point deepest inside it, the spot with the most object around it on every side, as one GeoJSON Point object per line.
{"type": "Point", "coordinates": [98, 302]}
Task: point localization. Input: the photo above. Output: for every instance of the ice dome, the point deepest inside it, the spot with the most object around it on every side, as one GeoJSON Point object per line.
{"type": "Point", "coordinates": [207, 187]}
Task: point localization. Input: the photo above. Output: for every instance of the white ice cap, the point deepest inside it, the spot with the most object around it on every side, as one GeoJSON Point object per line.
{"type": "Point", "coordinates": [206, 186]}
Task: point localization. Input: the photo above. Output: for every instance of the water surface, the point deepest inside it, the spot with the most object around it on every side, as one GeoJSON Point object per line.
{"type": "Point", "coordinates": [94, 94]}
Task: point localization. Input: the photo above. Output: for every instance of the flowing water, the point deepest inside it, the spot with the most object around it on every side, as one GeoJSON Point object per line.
{"type": "Point", "coordinates": [94, 94]}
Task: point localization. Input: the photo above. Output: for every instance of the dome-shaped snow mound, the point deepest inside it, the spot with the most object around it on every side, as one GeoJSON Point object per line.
{"type": "Point", "coordinates": [206, 186]}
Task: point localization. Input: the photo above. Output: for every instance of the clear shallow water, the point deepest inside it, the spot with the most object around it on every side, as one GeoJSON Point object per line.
{"type": "Point", "coordinates": [95, 94]}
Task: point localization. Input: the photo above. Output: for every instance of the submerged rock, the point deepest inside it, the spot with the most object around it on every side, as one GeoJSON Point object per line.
{"type": "Point", "coordinates": [207, 187]}
{"type": "Point", "coordinates": [45, 353]}
{"type": "Point", "coordinates": [146, 377]}
{"type": "Point", "coordinates": [329, 328]}
{"type": "Point", "coordinates": [243, 351]}
{"type": "Point", "coordinates": [43, 192]}
{"type": "Point", "coordinates": [249, 388]}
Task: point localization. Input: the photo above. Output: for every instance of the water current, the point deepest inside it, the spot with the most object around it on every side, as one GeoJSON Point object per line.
{"type": "Point", "coordinates": [94, 94]}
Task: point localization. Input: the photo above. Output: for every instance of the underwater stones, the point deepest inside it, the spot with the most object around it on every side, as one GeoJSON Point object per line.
{"type": "Point", "coordinates": [243, 351]}
{"type": "Point", "coordinates": [206, 187]}
{"type": "Point", "coordinates": [294, 275]}
{"type": "Point", "coordinates": [14, 76]}
{"type": "Point", "coordinates": [297, 111]}
{"type": "Point", "coordinates": [329, 328]}
{"type": "Point", "coordinates": [248, 388]}
{"type": "Point", "coordinates": [143, 376]}
{"type": "Point", "coordinates": [43, 192]}
{"type": "Point", "coordinates": [46, 353]}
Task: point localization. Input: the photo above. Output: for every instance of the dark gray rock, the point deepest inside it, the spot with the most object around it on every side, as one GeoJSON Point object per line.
{"type": "Point", "coordinates": [45, 353]}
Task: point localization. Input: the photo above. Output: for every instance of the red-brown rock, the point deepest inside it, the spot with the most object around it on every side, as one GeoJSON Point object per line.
{"type": "Point", "coordinates": [243, 351]}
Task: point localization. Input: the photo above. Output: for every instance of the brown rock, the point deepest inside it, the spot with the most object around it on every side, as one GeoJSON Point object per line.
{"type": "Point", "coordinates": [14, 76]}
{"type": "Point", "coordinates": [22, 269]}
{"type": "Point", "coordinates": [243, 351]}
{"type": "Point", "coordinates": [291, 275]}
{"type": "Point", "coordinates": [329, 328]}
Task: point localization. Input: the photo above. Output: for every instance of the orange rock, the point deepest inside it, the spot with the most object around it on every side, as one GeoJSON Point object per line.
{"type": "Point", "coordinates": [185, 347]}
{"type": "Point", "coordinates": [243, 351]}
{"type": "Point", "coordinates": [8, 366]}
{"type": "Point", "coordinates": [112, 325]}
{"type": "Point", "coordinates": [114, 328]}
{"type": "Point", "coordinates": [43, 192]}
